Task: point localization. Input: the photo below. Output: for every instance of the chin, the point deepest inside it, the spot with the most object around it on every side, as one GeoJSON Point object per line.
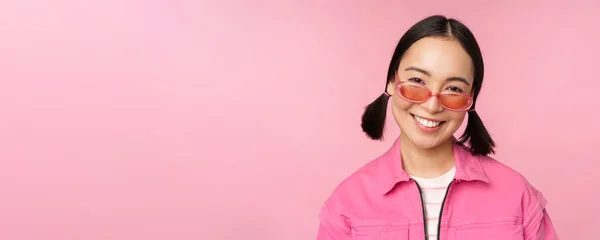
{"type": "Point", "coordinates": [426, 142]}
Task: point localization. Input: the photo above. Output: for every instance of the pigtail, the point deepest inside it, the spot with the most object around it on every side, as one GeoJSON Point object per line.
{"type": "Point", "coordinates": [373, 119]}
{"type": "Point", "coordinates": [480, 141]}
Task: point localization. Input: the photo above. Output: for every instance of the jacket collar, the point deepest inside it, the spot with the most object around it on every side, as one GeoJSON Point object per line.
{"type": "Point", "coordinates": [468, 166]}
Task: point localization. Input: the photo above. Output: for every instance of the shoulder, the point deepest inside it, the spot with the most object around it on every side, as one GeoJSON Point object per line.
{"type": "Point", "coordinates": [503, 176]}
{"type": "Point", "coordinates": [529, 200]}
{"type": "Point", "coordinates": [346, 196]}
{"type": "Point", "coordinates": [498, 171]}
{"type": "Point", "coordinates": [361, 183]}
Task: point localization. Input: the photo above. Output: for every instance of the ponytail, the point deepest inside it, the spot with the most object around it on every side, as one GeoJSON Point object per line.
{"type": "Point", "coordinates": [373, 119]}
{"type": "Point", "coordinates": [478, 137]}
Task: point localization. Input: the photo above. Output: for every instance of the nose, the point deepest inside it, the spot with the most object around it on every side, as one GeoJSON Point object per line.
{"type": "Point", "coordinates": [432, 105]}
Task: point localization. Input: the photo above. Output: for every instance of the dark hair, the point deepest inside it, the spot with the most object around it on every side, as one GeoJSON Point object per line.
{"type": "Point", "coordinates": [373, 119]}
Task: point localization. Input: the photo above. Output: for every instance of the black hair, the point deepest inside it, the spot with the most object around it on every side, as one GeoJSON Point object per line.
{"type": "Point", "coordinates": [476, 135]}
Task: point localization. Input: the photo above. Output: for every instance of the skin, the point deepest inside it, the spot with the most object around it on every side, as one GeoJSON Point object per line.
{"type": "Point", "coordinates": [436, 63]}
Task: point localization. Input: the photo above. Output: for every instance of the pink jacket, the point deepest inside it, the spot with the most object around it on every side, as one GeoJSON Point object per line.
{"type": "Point", "coordinates": [486, 200]}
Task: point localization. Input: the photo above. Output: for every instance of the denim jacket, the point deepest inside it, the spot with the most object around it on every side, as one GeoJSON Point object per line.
{"type": "Point", "coordinates": [486, 200]}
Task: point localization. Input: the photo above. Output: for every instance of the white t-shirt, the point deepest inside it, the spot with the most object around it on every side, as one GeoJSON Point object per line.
{"type": "Point", "coordinates": [433, 191]}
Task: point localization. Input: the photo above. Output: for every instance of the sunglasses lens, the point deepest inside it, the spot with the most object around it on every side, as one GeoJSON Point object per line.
{"type": "Point", "coordinates": [455, 101]}
{"type": "Point", "coordinates": [450, 100]}
{"type": "Point", "coordinates": [414, 92]}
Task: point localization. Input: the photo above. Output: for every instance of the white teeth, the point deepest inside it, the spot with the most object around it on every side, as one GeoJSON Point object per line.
{"type": "Point", "coordinates": [426, 123]}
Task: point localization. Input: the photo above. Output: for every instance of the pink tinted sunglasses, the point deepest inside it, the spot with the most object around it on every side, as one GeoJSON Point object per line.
{"type": "Point", "coordinates": [417, 93]}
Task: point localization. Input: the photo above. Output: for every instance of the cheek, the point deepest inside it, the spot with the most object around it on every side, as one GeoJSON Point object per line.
{"type": "Point", "coordinates": [457, 118]}
{"type": "Point", "coordinates": [400, 104]}
{"type": "Point", "coordinates": [400, 111]}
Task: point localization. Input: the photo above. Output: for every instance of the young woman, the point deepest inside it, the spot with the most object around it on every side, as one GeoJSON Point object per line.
{"type": "Point", "coordinates": [430, 185]}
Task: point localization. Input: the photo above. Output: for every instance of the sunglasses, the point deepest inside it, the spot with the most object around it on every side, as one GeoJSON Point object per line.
{"type": "Point", "coordinates": [417, 93]}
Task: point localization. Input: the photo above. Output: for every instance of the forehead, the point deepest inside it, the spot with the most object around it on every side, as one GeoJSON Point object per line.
{"type": "Point", "coordinates": [441, 57]}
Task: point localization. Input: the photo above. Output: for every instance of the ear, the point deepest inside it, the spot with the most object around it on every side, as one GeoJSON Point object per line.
{"type": "Point", "coordinates": [391, 88]}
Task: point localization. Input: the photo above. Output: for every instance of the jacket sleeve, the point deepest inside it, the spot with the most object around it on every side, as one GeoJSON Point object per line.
{"type": "Point", "coordinates": [333, 226]}
{"type": "Point", "coordinates": [537, 224]}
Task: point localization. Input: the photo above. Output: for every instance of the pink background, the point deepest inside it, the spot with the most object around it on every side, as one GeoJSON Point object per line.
{"type": "Point", "coordinates": [132, 119]}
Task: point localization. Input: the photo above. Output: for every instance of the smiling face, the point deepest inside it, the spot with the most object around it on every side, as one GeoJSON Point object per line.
{"type": "Point", "coordinates": [442, 66]}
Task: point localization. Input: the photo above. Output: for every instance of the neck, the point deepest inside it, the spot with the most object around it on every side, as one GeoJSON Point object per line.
{"type": "Point", "coordinates": [426, 163]}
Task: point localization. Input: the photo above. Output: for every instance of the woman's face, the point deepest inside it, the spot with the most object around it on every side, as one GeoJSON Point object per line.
{"type": "Point", "coordinates": [441, 65]}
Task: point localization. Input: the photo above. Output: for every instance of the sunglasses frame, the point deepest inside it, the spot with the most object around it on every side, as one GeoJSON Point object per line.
{"type": "Point", "coordinates": [399, 84]}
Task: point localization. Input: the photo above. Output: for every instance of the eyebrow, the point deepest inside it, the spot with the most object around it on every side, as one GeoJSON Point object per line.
{"type": "Point", "coordinates": [416, 69]}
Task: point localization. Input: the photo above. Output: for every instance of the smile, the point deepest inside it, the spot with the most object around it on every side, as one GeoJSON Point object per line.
{"type": "Point", "coordinates": [427, 123]}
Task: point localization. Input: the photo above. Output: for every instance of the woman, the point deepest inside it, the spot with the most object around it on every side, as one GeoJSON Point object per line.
{"type": "Point", "coordinates": [430, 185]}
